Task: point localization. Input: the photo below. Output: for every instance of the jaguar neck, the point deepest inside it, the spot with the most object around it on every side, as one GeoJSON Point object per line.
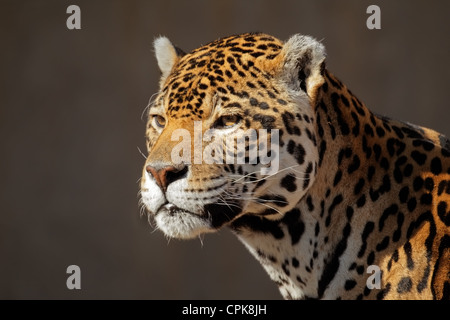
{"type": "Point", "coordinates": [301, 251]}
{"type": "Point", "coordinates": [344, 128]}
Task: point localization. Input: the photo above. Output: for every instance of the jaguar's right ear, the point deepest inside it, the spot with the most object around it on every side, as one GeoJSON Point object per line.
{"type": "Point", "coordinates": [167, 56]}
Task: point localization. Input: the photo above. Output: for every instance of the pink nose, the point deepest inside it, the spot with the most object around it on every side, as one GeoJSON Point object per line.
{"type": "Point", "coordinates": [166, 175]}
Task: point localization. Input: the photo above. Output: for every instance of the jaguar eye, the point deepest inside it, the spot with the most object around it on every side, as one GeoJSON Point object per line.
{"type": "Point", "coordinates": [227, 121]}
{"type": "Point", "coordinates": [159, 121]}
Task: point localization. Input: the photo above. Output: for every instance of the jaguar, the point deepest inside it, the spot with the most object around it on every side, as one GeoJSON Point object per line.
{"type": "Point", "coordinates": [353, 190]}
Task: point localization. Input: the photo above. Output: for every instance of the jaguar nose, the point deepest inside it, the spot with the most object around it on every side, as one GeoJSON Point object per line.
{"type": "Point", "coordinates": [165, 175]}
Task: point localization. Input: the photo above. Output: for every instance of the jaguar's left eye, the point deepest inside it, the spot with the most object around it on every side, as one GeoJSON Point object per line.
{"type": "Point", "coordinates": [159, 121]}
{"type": "Point", "coordinates": [227, 121]}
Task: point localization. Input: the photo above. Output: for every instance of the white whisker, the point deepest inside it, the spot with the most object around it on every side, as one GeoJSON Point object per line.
{"type": "Point", "coordinates": [200, 237]}
{"type": "Point", "coordinates": [263, 178]}
{"type": "Point", "coordinates": [150, 103]}
{"type": "Point", "coordinates": [142, 154]}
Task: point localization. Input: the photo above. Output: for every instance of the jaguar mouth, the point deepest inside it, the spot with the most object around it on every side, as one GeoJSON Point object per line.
{"type": "Point", "coordinates": [180, 223]}
{"type": "Point", "coordinates": [172, 210]}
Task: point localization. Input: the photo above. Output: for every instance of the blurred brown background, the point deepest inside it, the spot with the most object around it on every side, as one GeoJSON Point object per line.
{"type": "Point", "coordinates": [70, 129]}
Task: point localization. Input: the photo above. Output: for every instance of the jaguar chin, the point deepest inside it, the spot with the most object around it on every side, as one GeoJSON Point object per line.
{"type": "Point", "coordinates": [182, 224]}
{"type": "Point", "coordinates": [178, 223]}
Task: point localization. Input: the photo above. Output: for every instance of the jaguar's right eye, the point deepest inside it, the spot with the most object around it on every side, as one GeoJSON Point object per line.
{"type": "Point", "coordinates": [227, 121]}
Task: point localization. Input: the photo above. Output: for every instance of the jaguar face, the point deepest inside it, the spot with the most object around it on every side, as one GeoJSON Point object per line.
{"type": "Point", "coordinates": [230, 133]}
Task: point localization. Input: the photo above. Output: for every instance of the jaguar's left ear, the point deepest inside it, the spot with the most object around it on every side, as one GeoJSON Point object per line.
{"type": "Point", "coordinates": [302, 64]}
{"type": "Point", "coordinates": [167, 55]}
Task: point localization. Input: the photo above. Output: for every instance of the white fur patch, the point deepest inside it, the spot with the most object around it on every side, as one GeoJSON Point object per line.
{"type": "Point", "coordinates": [182, 225]}
{"type": "Point", "coordinates": [166, 55]}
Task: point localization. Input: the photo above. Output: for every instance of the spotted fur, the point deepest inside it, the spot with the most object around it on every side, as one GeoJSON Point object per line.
{"type": "Point", "coordinates": [353, 189]}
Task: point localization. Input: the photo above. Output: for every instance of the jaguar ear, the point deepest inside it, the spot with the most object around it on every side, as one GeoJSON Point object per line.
{"type": "Point", "coordinates": [303, 63]}
{"type": "Point", "coordinates": [166, 55]}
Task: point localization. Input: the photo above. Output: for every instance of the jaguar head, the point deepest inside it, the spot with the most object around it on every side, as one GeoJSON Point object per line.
{"type": "Point", "coordinates": [231, 131]}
